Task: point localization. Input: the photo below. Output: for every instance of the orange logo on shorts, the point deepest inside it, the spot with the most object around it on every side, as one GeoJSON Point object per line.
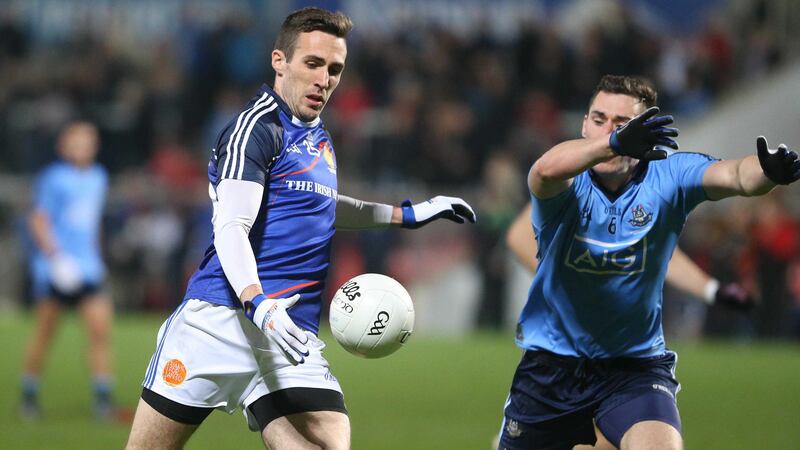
{"type": "Point", "coordinates": [174, 372]}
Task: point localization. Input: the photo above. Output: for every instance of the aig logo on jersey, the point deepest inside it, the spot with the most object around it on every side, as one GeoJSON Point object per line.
{"type": "Point", "coordinates": [607, 258]}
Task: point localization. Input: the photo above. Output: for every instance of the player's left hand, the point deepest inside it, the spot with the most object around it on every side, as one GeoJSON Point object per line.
{"type": "Point", "coordinates": [439, 207]}
{"type": "Point", "coordinates": [780, 165]}
{"type": "Point", "coordinates": [645, 137]}
{"type": "Point", "coordinates": [734, 296]}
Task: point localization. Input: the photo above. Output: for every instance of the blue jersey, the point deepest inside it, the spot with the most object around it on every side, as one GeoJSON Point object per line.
{"type": "Point", "coordinates": [291, 237]}
{"type": "Point", "coordinates": [73, 199]}
{"type": "Point", "coordinates": [602, 261]}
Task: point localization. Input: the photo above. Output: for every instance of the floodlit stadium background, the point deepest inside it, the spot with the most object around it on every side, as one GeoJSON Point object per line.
{"type": "Point", "coordinates": [455, 97]}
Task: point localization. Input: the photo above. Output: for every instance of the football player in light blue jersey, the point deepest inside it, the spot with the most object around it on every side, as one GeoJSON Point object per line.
{"type": "Point", "coordinates": [607, 212]}
{"type": "Point", "coordinates": [682, 274]}
{"type": "Point", "coordinates": [245, 335]}
{"type": "Point", "coordinates": [66, 266]}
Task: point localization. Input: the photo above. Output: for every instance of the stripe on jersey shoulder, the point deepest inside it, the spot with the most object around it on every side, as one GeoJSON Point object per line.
{"type": "Point", "coordinates": [241, 120]}
{"type": "Point", "coordinates": [237, 142]}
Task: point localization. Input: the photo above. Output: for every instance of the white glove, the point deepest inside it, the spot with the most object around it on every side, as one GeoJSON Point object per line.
{"type": "Point", "coordinates": [269, 314]}
{"type": "Point", "coordinates": [452, 208]}
{"type": "Point", "coordinates": [65, 274]}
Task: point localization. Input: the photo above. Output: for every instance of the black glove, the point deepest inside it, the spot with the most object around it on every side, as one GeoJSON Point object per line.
{"type": "Point", "coordinates": [640, 137]}
{"type": "Point", "coordinates": [780, 165]}
{"type": "Point", "coordinates": [734, 296]}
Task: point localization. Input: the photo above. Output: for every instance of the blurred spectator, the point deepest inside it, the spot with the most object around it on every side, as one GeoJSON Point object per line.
{"type": "Point", "coordinates": [774, 243]}
{"type": "Point", "coordinates": [500, 199]}
{"type": "Point", "coordinates": [793, 279]}
{"type": "Point", "coordinates": [13, 41]}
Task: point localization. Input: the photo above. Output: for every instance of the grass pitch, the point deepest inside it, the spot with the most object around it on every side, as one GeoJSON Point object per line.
{"type": "Point", "coordinates": [433, 394]}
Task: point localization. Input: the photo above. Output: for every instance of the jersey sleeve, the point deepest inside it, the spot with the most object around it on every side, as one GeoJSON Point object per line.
{"type": "Point", "coordinates": [545, 211]}
{"type": "Point", "coordinates": [245, 152]}
{"type": "Point", "coordinates": [686, 171]}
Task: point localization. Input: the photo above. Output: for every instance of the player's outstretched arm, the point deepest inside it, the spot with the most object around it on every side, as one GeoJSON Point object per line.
{"type": "Point", "coordinates": [521, 240]}
{"type": "Point", "coordinates": [353, 214]}
{"type": "Point", "coordinates": [688, 278]}
{"type": "Point", "coordinates": [643, 137]}
{"type": "Point", "coordinates": [552, 173]}
{"type": "Point", "coordinates": [237, 205]}
{"type": "Point", "coordinates": [752, 175]}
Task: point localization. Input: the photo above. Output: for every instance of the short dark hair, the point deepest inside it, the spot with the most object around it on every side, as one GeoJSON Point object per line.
{"type": "Point", "coordinates": [307, 20]}
{"type": "Point", "coordinates": [635, 87]}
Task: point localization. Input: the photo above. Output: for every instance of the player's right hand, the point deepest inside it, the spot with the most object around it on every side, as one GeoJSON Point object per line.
{"type": "Point", "coordinates": [734, 296]}
{"type": "Point", "coordinates": [780, 165]}
{"type": "Point", "coordinates": [642, 136]}
{"type": "Point", "coordinates": [269, 314]}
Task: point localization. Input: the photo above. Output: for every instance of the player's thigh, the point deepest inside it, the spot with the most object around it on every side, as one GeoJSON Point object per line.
{"type": "Point", "coordinates": [648, 394]}
{"type": "Point", "coordinates": [652, 435]}
{"type": "Point", "coordinates": [656, 409]}
{"type": "Point", "coordinates": [48, 311]}
{"type": "Point", "coordinates": [314, 429]}
{"type": "Point", "coordinates": [601, 444]}
{"type": "Point", "coordinates": [97, 311]}
{"type": "Point", "coordinates": [152, 430]}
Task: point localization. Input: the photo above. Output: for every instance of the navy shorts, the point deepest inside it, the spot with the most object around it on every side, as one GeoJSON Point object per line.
{"type": "Point", "coordinates": [73, 298]}
{"type": "Point", "coordinates": [555, 399]}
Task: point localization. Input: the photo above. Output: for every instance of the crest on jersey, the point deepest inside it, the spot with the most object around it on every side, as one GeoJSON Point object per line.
{"type": "Point", "coordinates": [640, 216]}
{"type": "Point", "coordinates": [325, 149]}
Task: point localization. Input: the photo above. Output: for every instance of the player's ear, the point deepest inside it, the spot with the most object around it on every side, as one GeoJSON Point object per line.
{"type": "Point", "coordinates": [278, 62]}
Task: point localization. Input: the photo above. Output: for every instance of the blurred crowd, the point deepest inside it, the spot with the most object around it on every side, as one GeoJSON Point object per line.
{"type": "Point", "coordinates": [420, 106]}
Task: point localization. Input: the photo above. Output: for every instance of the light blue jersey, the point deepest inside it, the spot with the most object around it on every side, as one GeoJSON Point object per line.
{"type": "Point", "coordinates": [73, 199]}
{"type": "Point", "coordinates": [602, 261]}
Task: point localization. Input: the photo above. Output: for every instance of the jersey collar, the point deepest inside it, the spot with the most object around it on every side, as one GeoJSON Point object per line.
{"type": "Point", "coordinates": [638, 175]}
{"type": "Point", "coordinates": [285, 108]}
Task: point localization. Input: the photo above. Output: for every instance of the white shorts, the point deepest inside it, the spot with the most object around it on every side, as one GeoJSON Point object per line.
{"type": "Point", "coordinates": [212, 356]}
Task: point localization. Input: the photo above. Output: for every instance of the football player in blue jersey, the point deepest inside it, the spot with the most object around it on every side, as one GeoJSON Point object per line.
{"type": "Point", "coordinates": [607, 211]}
{"type": "Point", "coordinates": [66, 266]}
{"type": "Point", "coordinates": [245, 335]}
{"type": "Point", "coordinates": [682, 274]}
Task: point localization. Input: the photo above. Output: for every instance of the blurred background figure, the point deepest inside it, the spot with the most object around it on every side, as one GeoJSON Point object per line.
{"type": "Point", "coordinates": [498, 204]}
{"type": "Point", "coordinates": [66, 267]}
